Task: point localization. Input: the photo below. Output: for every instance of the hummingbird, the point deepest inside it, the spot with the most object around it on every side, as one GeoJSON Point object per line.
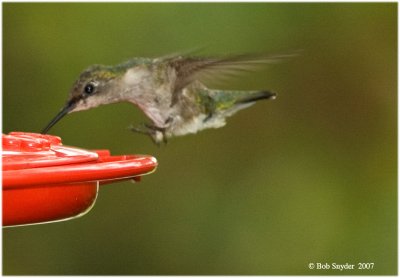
{"type": "Point", "coordinates": [171, 92]}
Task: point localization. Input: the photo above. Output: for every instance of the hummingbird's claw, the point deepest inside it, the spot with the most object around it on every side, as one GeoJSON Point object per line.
{"type": "Point", "coordinates": [157, 134]}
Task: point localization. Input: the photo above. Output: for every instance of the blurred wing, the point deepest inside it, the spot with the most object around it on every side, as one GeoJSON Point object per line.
{"type": "Point", "coordinates": [189, 69]}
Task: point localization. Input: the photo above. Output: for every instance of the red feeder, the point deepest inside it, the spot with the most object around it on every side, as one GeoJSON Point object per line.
{"type": "Point", "coordinates": [44, 181]}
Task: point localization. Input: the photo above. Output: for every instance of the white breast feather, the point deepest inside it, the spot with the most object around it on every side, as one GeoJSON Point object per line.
{"type": "Point", "coordinates": [196, 124]}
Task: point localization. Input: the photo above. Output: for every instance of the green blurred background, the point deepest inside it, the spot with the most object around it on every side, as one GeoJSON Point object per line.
{"type": "Point", "coordinates": [309, 177]}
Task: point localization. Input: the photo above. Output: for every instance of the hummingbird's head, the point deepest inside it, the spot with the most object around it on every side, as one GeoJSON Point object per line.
{"type": "Point", "coordinates": [93, 88]}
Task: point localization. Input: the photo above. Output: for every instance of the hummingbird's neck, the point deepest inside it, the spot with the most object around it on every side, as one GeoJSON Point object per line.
{"type": "Point", "coordinates": [134, 83]}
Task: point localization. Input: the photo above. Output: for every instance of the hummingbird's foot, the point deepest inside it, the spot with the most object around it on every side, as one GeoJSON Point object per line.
{"type": "Point", "coordinates": [157, 134]}
{"type": "Point", "coordinates": [209, 116]}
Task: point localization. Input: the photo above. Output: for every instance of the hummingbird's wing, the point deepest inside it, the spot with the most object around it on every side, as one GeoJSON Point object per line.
{"type": "Point", "coordinates": [189, 69]}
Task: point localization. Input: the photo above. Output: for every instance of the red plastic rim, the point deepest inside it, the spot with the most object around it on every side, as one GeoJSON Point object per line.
{"type": "Point", "coordinates": [31, 159]}
{"type": "Point", "coordinates": [44, 181]}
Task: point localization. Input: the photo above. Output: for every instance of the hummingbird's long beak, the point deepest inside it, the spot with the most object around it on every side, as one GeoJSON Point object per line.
{"type": "Point", "coordinates": [67, 108]}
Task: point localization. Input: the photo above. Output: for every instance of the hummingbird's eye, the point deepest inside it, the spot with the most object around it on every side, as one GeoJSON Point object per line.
{"type": "Point", "coordinates": [89, 88]}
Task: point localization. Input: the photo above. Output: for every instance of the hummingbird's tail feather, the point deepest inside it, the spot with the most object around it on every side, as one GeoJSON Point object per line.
{"type": "Point", "coordinates": [256, 96]}
{"type": "Point", "coordinates": [228, 103]}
